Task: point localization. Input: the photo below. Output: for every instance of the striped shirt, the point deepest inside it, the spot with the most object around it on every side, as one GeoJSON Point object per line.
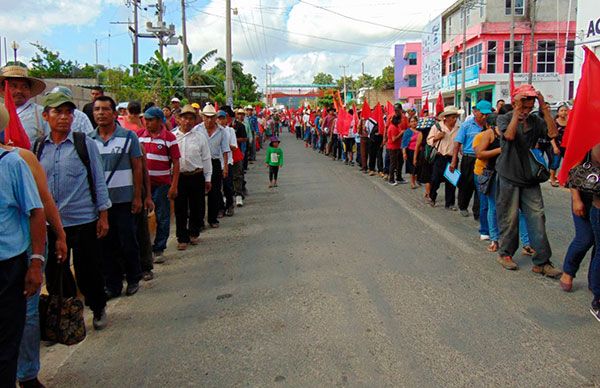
{"type": "Point", "coordinates": [120, 187]}
{"type": "Point", "coordinates": [161, 150]}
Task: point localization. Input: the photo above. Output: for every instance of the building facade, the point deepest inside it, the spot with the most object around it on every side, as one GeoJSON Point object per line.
{"type": "Point", "coordinates": [407, 73]}
{"type": "Point", "coordinates": [588, 32]}
{"type": "Point", "coordinates": [548, 53]}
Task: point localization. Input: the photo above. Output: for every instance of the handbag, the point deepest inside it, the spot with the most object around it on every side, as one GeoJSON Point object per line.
{"type": "Point", "coordinates": [538, 168]}
{"type": "Point", "coordinates": [485, 180]}
{"type": "Point", "coordinates": [585, 178]}
{"type": "Point", "coordinates": [432, 151]}
{"type": "Point", "coordinates": [61, 319]}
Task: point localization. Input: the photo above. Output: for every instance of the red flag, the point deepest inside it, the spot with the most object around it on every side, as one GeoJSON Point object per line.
{"type": "Point", "coordinates": [355, 117]}
{"type": "Point", "coordinates": [511, 82]}
{"type": "Point", "coordinates": [216, 106]}
{"type": "Point", "coordinates": [378, 116]}
{"type": "Point", "coordinates": [425, 106]}
{"type": "Point", "coordinates": [258, 109]}
{"type": "Point", "coordinates": [439, 104]}
{"type": "Point", "coordinates": [14, 134]}
{"type": "Point", "coordinates": [366, 110]}
{"type": "Point", "coordinates": [389, 110]}
{"type": "Point", "coordinates": [582, 132]}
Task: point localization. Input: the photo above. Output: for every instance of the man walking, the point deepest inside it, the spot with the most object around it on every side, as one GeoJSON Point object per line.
{"type": "Point", "coordinates": [122, 163]}
{"type": "Point", "coordinates": [162, 154]}
{"type": "Point", "coordinates": [88, 109]}
{"type": "Point", "coordinates": [79, 190]}
{"type": "Point", "coordinates": [194, 179]}
{"type": "Point", "coordinates": [518, 189]}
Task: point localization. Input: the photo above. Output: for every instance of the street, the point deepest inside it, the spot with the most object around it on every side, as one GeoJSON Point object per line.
{"type": "Point", "coordinates": [337, 279]}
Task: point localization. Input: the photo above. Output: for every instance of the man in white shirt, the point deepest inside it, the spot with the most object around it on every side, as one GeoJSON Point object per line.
{"type": "Point", "coordinates": [194, 178]}
{"type": "Point", "coordinates": [224, 120]}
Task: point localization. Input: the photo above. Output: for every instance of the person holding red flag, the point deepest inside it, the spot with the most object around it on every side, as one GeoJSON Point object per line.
{"type": "Point", "coordinates": [518, 184]}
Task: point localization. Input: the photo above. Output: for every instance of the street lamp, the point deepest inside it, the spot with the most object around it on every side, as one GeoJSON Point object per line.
{"type": "Point", "coordinates": [15, 47]}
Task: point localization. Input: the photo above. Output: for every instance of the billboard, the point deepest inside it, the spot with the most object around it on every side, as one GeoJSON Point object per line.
{"type": "Point", "coordinates": [431, 64]}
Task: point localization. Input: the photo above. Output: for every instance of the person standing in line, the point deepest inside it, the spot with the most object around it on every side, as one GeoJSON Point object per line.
{"type": "Point", "coordinates": [375, 147]}
{"type": "Point", "coordinates": [441, 138]}
{"type": "Point", "coordinates": [365, 144]}
{"type": "Point", "coordinates": [194, 180]}
{"type": "Point", "coordinates": [224, 120]}
{"type": "Point", "coordinates": [88, 109]}
{"type": "Point", "coordinates": [274, 160]}
{"type": "Point", "coordinates": [121, 155]}
{"type": "Point", "coordinates": [394, 145]}
{"type": "Point", "coordinates": [326, 130]}
{"type": "Point", "coordinates": [424, 126]}
{"type": "Point", "coordinates": [242, 138]}
{"type": "Point", "coordinates": [162, 160]}
{"type": "Point", "coordinates": [409, 151]}
{"type": "Point", "coordinates": [350, 141]}
{"type": "Point", "coordinates": [218, 142]}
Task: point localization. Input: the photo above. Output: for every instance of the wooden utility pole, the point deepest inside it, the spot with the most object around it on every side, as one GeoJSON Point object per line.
{"type": "Point", "coordinates": [532, 16]}
{"type": "Point", "coordinates": [463, 88]}
{"type": "Point", "coordinates": [228, 58]}
{"type": "Point", "coordinates": [186, 76]}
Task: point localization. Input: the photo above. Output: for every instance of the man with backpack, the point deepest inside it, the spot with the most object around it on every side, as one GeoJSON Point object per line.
{"type": "Point", "coordinates": [76, 181]}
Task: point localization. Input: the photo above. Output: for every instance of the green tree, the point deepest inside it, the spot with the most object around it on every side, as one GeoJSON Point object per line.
{"type": "Point", "coordinates": [364, 81]}
{"type": "Point", "coordinates": [323, 79]}
{"type": "Point", "coordinates": [386, 80]}
{"type": "Point", "coordinates": [245, 88]}
{"type": "Point", "coordinates": [48, 64]}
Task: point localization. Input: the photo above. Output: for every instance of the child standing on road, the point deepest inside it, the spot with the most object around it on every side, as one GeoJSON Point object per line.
{"type": "Point", "coordinates": [274, 160]}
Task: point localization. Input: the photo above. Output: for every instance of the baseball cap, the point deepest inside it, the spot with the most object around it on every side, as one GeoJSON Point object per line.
{"type": "Point", "coordinates": [195, 105]}
{"type": "Point", "coordinates": [221, 113]}
{"type": "Point", "coordinates": [175, 99]}
{"type": "Point", "coordinates": [56, 99]}
{"type": "Point", "coordinates": [484, 107]}
{"type": "Point", "coordinates": [62, 89]}
{"type": "Point", "coordinates": [154, 113]}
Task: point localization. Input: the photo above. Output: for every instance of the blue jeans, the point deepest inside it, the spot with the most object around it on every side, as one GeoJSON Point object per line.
{"type": "Point", "coordinates": [28, 365]}
{"type": "Point", "coordinates": [163, 217]}
{"type": "Point", "coordinates": [492, 221]}
{"type": "Point", "coordinates": [581, 244]}
{"type": "Point", "coordinates": [594, 276]}
{"type": "Point", "coordinates": [484, 228]}
{"type": "Point", "coordinates": [523, 233]}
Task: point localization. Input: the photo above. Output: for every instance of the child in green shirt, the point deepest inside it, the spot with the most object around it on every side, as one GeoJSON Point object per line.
{"type": "Point", "coordinates": [274, 160]}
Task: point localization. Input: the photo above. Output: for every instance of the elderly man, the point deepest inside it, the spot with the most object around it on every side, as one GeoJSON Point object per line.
{"type": "Point", "coordinates": [518, 189]}
{"type": "Point", "coordinates": [22, 89]}
{"type": "Point", "coordinates": [194, 179]}
{"type": "Point", "coordinates": [88, 108]}
{"type": "Point", "coordinates": [218, 141]}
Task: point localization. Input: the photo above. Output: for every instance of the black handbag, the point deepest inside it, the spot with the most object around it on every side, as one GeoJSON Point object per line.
{"type": "Point", "coordinates": [61, 319]}
{"type": "Point", "coordinates": [585, 178]}
{"type": "Point", "coordinates": [538, 169]}
{"type": "Point", "coordinates": [485, 180]}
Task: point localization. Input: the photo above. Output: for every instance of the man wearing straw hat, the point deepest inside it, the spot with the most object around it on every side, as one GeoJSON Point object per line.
{"type": "Point", "coordinates": [23, 88]}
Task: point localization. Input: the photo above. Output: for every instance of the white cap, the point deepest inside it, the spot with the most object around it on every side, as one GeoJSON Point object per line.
{"type": "Point", "coordinates": [175, 99]}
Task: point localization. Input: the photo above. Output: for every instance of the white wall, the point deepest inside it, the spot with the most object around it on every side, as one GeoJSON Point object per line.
{"type": "Point", "coordinates": [588, 11]}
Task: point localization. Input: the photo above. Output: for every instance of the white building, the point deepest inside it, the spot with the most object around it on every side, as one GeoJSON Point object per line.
{"type": "Point", "coordinates": [588, 31]}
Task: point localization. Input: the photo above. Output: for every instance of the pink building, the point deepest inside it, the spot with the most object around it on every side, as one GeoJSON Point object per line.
{"type": "Point", "coordinates": [407, 73]}
{"type": "Point", "coordinates": [550, 53]}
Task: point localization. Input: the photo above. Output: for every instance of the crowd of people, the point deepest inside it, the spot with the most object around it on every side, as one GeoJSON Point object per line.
{"type": "Point", "coordinates": [78, 202]}
{"type": "Point", "coordinates": [491, 165]}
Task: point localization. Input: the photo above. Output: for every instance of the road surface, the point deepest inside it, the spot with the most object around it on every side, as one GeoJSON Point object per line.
{"type": "Point", "coordinates": [337, 279]}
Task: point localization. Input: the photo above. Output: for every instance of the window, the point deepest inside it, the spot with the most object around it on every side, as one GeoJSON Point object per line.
{"type": "Point", "coordinates": [455, 62]}
{"type": "Point", "coordinates": [412, 58]}
{"type": "Point", "coordinates": [546, 56]}
{"type": "Point", "coordinates": [474, 55]}
{"type": "Point", "coordinates": [570, 57]}
{"type": "Point", "coordinates": [491, 57]}
{"type": "Point", "coordinates": [412, 81]}
{"type": "Point", "coordinates": [519, 7]}
{"type": "Point", "coordinates": [517, 57]}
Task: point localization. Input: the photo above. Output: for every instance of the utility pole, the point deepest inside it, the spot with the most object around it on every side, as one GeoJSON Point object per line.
{"type": "Point", "coordinates": [96, 44]}
{"type": "Point", "coordinates": [159, 12]}
{"type": "Point", "coordinates": [532, 11]}
{"type": "Point", "coordinates": [463, 91]}
{"type": "Point", "coordinates": [456, 76]}
{"type": "Point", "coordinates": [511, 61]}
{"type": "Point", "coordinates": [345, 90]}
{"type": "Point", "coordinates": [228, 59]}
{"type": "Point", "coordinates": [186, 76]}
{"type": "Point", "coordinates": [267, 68]}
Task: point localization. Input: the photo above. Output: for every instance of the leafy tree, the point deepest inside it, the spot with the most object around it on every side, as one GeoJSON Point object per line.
{"type": "Point", "coordinates": [48, 64]}
{"type": "Point", "coordinates": [323, 79]}
{"type": "Point", "coordinates": [245, 88]}
{"type": "Point", "coordinates": [364, 81]}
{"type": "Point", "coordinates": [386, 80]}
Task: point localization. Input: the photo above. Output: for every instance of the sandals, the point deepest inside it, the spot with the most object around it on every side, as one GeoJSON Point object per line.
{"type": "Point", "coordinates": [554, 184]}
{"type": "Point", "coordinates": [493, 247]}
{"type": "Point", "coordinates": [528, 251]}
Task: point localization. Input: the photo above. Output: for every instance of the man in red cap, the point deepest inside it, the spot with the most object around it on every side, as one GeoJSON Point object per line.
{"type": "Point", "coordinates": [518, 187]}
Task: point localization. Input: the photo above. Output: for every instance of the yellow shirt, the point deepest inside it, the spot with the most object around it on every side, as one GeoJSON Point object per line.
{"type": "Point", "coordinates": [479, 163]}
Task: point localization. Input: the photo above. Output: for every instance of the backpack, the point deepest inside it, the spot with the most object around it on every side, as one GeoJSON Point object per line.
{"type": "Point", "coordinates": [82, 152]}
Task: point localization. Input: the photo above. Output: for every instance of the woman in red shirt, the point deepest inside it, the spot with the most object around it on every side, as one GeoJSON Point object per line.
{"type": "Point", "coordinates": [394, 145]}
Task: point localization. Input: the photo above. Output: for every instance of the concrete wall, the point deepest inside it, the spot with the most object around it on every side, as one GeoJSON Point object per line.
{"type": "Point", "coordinates": [81, 94]}
{"type": "Point", "coordinates": [381, 96]}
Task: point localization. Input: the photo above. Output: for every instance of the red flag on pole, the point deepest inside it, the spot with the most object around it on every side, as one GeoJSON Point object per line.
{"type": "Point", "coordinates": [14, 134]}
{"type": "Point", "coordinates": [439, 104]}
{"type": "Point", "coordinates": [216, 106]}
{"type": "Point", "coordinates": [389, 110]}
{"type": "Point", "coordinates": [366, 110]}
{"type": "Point", "coordinates": [355, 117]}
{"type": "Point", "coordinates": [258, 109]}
{"type": "Point", "coordinates": [511, 81]}
{"type": "Point", "coordinates": [425, 106]}
{"type": "Point", "coordinates": [378, 116]}
{"type": "Point", "coordinates": [582, 131]}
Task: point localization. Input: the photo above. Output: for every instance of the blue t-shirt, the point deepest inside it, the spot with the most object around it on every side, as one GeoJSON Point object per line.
{"type": "Point", "coordinates": [18, 196]}
{"type": "Point", "coordinates": [466, 133]}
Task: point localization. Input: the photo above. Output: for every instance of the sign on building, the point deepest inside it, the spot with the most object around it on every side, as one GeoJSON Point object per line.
{"type": "Point", "coordinates": [431, 64]}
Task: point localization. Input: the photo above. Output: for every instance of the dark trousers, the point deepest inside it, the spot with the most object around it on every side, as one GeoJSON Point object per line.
{"type": "Point", "coordinates": [237, 173]}
{"type": "Point", "coordinates": [323, 142]}
{"type": "Point", "coordinates": [189, 206]}
{"type": "Point", "coordinates": [581, 244]}
{"type": "Point", "coordinates": [12, 316]}
{"type": "Point", "coordinates": [437, 177]}
{"type": "Point", "coordinates": [215, 195]}
{"type": "Point", "coordinates": [228, 188]}
{"type": "Point", "coordinates": [466, 185]}
{"type": "Point", "coordinates": [273, 172]}
{"type": "Point", "coordinates": [394, 165]}
{"type": "Point", "coordinates": [143, 235]}
{"type": "Point", "coordinates": [509, 200]}
{"type": "Point", "coordinates": [376, 154]}
{"type": "Point", "coordinates": [365, 143]}
{"type": "Point", "coordinates": [120, 249]}
{"type": "Point", "coordinates": [87, 261]}
{"type": "Point", "coordinates": [335, 147]}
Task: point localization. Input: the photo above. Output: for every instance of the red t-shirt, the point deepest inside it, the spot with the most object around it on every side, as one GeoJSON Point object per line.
{"type": "Point", "coordinates": [394, 130]}
{"type": "Point", "coordinates": [160, 150]}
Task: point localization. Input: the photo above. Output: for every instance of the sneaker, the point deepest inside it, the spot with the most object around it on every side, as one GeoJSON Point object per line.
{"type": "Point", "coordinates": [132, 288]}
{"type": "Point", "coordinates": [547, 270]}
{"type": "Point", "coordinates": [484, 237]}
{"type": "Point", "coordinates": [508, 263]}
{"type": "Point", "coordinates": [147, 275]}
{"type": "Point", "coordinates": [100, 319]}
{"type": "Point", "coordinates": [159, 258]}
{"type": "Point", "coordinates": [194, 240]}
{"type": "Point", "coordinates": [403, 181]}
{"type": "Point", "coordinates": [393, 183]}
{"type": "Point", "coordinates": [182, 246]}
{"type": "Point", "coordinates": [595, 310]}
{"type": "Point", "coordinates": [464, 213]}
{"type": "Point", "coordinates": [239, 202]}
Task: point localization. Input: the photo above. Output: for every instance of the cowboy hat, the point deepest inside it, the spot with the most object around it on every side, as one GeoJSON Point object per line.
{"type": "Point", "coordinates": [209, 110]}
{"type": "Point", "coordinates": [449, 111]}
{"type": "Point", "coordinates": [16, 71]}
{"type": "Point", "coordinates": [188, 109]}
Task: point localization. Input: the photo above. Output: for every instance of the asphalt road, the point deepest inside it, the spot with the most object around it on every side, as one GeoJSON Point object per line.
{"type": "Point", "coordinates": [337, 279]}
